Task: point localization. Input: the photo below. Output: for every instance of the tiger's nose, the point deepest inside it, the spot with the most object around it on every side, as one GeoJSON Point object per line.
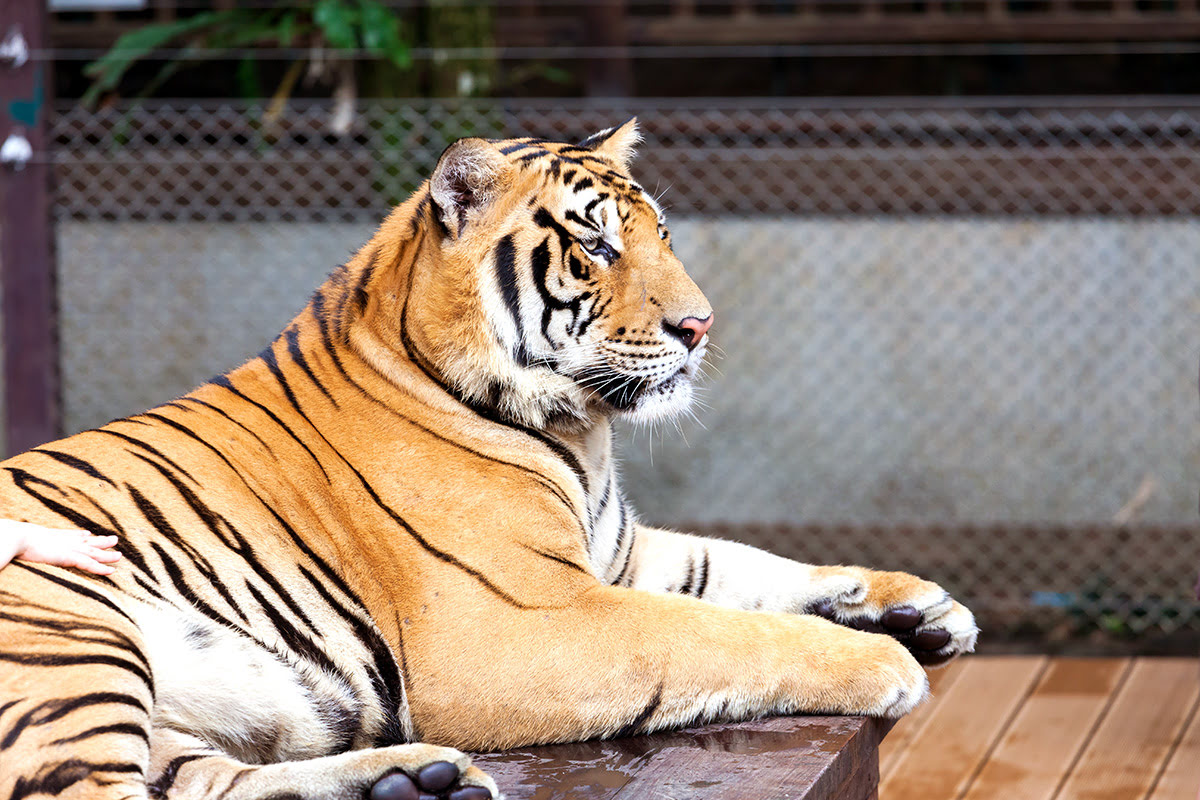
{"type": "Point", "coordinates": [689, 330]}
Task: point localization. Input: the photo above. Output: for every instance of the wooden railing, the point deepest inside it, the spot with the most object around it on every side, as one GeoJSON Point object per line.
{"type": "Point", "coordinates": [875, 21]}
{"type": "Point", "coordinates": [542, 22]}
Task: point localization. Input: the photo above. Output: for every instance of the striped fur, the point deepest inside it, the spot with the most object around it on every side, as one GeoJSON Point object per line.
{"type": "Point", "coordinates": [400, 527]}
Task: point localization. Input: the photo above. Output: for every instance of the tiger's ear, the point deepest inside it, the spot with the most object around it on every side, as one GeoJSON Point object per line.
{"type": "Point", "coordinates": [468, 178]}
{"type": "Point", "coordinates": [617, 143]}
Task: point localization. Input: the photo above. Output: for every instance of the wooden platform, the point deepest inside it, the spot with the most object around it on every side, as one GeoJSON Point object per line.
{"type": "Point", "coordinates": [797, 758]}
{"type": "Point", "coordinates": [1012, 727]}
{"type": "Point", "coordinates": [1028, 728]}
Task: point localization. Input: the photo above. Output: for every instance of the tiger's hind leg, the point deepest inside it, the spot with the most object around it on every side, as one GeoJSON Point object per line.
{"type": "Point", "coordinates": [185, 768]}
{"type": "Point", "coordinates": [233, 719]}
{"type": "Point", "coordinates": [75, 690]}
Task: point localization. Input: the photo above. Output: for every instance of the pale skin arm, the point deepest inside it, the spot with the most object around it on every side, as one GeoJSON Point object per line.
{"type": "Point", "coordinates": [63, 548]}
{"type": "Point", "coordinates": [917, 612]}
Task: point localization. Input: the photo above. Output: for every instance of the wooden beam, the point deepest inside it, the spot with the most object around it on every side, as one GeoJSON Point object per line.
{"type": "Point", "coordinates": [804, 758]}
{"type": "Point", "coordinates": [31, 383]}
{"type": "Point", "coordinates": [610, 75]}
{"type": "Point", "coordinates": [887, 28]}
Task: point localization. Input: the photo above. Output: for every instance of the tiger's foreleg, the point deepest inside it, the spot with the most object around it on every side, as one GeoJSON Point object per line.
{"type": "Point", "coordinates": [920, 614]}
{"type": "Point", "coordinates": [614, 661]}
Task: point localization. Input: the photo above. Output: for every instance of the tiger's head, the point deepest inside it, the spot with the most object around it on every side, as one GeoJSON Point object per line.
{"type": "Point", "coordinates": [548, 292]}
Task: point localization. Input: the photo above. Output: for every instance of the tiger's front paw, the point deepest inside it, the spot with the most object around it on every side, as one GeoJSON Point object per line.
{"type": "Point", "coordinates": [919, 614]}
{"type": "Point", "coordinates": [882, 680]}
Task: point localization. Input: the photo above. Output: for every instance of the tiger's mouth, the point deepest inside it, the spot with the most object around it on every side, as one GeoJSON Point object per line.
{"type": "Point", "coordinates": [648, 398]}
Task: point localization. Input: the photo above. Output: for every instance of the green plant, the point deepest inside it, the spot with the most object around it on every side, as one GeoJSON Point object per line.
{"type": "Point", "coordinates": [327, 29]}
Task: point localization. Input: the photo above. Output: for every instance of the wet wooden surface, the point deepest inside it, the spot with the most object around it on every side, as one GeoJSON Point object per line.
{"type": "Point", "coordinates": [1039, 728]}
{"type": "Point", "coordinates": [814, 758]}
{"type": "Point", "coordinates": [1012, 727]}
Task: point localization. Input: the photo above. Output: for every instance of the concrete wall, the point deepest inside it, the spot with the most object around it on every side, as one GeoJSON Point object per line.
{"type": "Point", "coordinates": [874, 370]}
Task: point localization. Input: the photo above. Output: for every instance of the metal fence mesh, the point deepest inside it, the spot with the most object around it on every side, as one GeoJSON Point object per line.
{"type": "Point", "coordinates": [958, 339]}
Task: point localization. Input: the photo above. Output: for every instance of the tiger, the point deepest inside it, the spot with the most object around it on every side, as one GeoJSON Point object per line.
{"type": "Point", "coordinates": [397, 535]}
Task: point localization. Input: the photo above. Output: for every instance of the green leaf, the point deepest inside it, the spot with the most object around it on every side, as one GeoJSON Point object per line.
{"type": "Point", "coordinates": [336, 20]}
{"type": "Point", "coordinates": [287, 29]}
{"type": "Point", "coordinates": [107, 71]}
{"type": "Point", "coordinates": [381, 33]}
{"type": "Point", "coordinates": [248, 81]}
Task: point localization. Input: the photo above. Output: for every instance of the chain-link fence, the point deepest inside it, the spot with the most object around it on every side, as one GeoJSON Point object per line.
{"type": "Point", "coordinates": [959, 339]}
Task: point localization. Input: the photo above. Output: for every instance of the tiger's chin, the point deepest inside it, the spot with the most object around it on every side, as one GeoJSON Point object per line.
{"type": "Point", "coordinates": [654, 403]}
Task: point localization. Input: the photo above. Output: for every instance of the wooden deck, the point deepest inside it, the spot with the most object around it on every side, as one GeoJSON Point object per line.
{"type": "Point", "coordinates": [1032, 727]}
{"type": "Point", "coordinates": [1012, 727]}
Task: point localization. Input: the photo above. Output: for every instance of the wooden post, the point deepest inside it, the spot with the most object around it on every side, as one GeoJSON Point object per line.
{"type": "Point", "coordinates": [31, 387]}
{"type": "Point", "coordinates": [609, 75]}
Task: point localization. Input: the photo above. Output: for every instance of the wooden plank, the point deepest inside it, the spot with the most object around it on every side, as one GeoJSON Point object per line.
{"type": "Point", "coordinates": [816, 758]}
{"type": "Point", "coordinates": [1181, 779]}
{"type": "Point", "coordinates": [1050, 730]}
{"type": "Point", "coordinates": [908, 730]}
{"type": "Point", "coordinates": [971, 716]}
{"type": "Point", "coordinates": [1135, 737]}
{"type": "Point", "coordinates": [26, 248]}
{"type": "Point", "coordinates": [764, 29]}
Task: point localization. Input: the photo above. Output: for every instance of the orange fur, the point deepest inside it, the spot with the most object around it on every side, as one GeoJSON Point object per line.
{"type": "Point", "coordinates": [385, 498]}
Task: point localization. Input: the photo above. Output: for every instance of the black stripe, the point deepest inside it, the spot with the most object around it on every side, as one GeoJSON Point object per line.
{"type": "Point", "coordinates": [64, 775]}
{"type": "Point", "coordinates": [574, 217]}
{"type": "Point", "coordinates": [603, 504]}
{"type": "Point", "coordinates": [544, 219]}
{"type": "Point", "coordinates": [540, 263]}
{"type": "Point", "coordinates": [404, 671]}
{"type": "Point", "coordinates": [76, 629]}
{"type": "Point", "coordinates": [225, 383]}
{"type": "Point", "coordinates": [690, 569]}
{"type": "Point", "coordinates": [319, 314]}
{"type": "Point", "coordinates": [64, 660]}
{"type": "Point", "coordinates": [226, 415]}
{"type": "Point", "coordinates": [54, 710]}
{"type": "Point", "coordinates": [86, 591]}
{"type": "Point", "coordinates": [702, 581]}
{"type": "Point", "coordinates": [360, 285]}
{"type": "Point", "coordinates": [384, 675]}
{"type": "Point", "coordinates": [631, 533]}
{"type": "Point", "coordinates": [25, 481]}
{"type": "Point", "coordinates": [268, 358]}
{"type": "Point", "coordinates": [75, 463]}
{"type": "Point", "coordinates": [127, 728]}
{"type": "Point", "coordinates": [505, 261]}
{"type": "Point", "coordinates": [293, 637]}
{"type": "Point", "coordinates": [159, 787]}
{"type": "Point", "coordinates": [293, 345]}
{"type": "Point", "coordinates": [592, 316]}
{"type": "Point", "coordinates": [175, 573]}
{"type": "Point", "coordinates": [553, 557]}
{"type": "Point", "coordinates": [638, 723]}
{"type": "Point", "coordinates": [149, 448]}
